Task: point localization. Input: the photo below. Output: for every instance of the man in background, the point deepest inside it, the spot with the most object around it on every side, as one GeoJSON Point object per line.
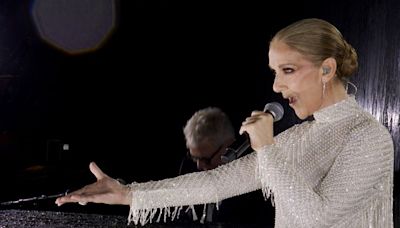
{"type": "Point", "coordinates": [208, 133]}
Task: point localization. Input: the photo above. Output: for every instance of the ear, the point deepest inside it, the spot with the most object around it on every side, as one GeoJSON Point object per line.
{"type": "Point", "coordinates": [328, 69]}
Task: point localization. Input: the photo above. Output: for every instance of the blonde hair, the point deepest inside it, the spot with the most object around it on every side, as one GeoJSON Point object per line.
{"type": "Point", "coordinates": [318, 40]}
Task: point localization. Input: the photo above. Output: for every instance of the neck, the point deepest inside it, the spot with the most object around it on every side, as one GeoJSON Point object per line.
{"type": "Point", "coordinates": [334, 93]}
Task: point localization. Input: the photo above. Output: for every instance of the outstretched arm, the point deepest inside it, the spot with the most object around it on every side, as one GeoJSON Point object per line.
{"type": "Point", "coordinates": [105, 190]}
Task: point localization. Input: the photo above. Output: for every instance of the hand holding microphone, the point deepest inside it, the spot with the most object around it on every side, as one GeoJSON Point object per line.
{"type": "Point", "coordinates": [255, 130]}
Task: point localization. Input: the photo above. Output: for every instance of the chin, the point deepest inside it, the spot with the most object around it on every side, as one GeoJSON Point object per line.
{"type": "Point", "coordinates": [301, 115]}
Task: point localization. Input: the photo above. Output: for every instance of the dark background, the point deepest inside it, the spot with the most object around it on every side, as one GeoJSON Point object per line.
{"type": "Point", "coordinates": [123, 102]}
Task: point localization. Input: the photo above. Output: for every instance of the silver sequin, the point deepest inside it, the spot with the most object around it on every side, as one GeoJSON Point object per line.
{"type": "Point", "coordinates": [336, 171]}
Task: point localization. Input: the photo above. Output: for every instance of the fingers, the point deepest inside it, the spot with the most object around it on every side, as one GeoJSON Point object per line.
{"type": "Point", "coordinates": [68, 198]}
{"type": "Point", "coordinates": [72, 199]}
{"type": "Point", "coordinates": [81, 197]}
{"type": "Point", "coordinates": [251, 119]}
{"type": "Point", "coordinates": [256, 116]}
{"type": "Point", "coordinates": [89, 192]}
{"type": "Point", "coordinates": [254, 113]}
{"type": "Point", "coordinates": [96, 171]}
{"type": "Point", "coordinates": [78, 196]}
{"type": "Point", "coordinates": [62, 200]}
{"type": "Point", "coordinates": [242, 130]}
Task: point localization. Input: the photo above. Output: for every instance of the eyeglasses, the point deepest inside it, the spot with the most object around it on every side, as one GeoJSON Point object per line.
{"type": "Point", "coordinates": [204, 159]}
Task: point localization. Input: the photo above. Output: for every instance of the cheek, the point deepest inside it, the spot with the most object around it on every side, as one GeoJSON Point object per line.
{"type": "Point", "coordinates": [306, 79]}
{"type": "Point", "coordinates": [298, 85]}
{"type": "Point", "coordinates": [309, 94]}
{"type": "Point", "coordinates": [306, 84]}
{"type": "Point", "coordinates": [311, 100]}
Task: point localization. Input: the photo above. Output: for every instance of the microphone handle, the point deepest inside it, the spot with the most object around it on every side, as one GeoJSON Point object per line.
{"type": "Point", "coordinates": [243, 148]}
{"type": "Point", "coordinates": [231, 153]}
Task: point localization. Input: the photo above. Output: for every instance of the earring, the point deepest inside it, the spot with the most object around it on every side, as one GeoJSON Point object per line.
{"type": "Point", "coordinates": [323, 88]}
{"type": "Point", "coordinates": [354, 90]}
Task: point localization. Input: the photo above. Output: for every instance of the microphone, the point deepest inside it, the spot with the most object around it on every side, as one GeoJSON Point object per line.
{"type": "Point", "coordinates": [275, 110]}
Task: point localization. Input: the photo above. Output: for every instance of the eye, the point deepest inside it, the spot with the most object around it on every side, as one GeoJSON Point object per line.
{"type": "Point", "coordinates": [273, 72]}
{"type": "Point", "coordinates": [288, 70]}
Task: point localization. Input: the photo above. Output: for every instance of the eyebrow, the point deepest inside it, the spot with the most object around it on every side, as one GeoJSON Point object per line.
{"type": "Point", "coordinates": [282, 65]}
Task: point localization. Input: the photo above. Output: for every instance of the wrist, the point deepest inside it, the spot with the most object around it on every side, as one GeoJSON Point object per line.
{"type": "Point", "coordinates": [126, 195]}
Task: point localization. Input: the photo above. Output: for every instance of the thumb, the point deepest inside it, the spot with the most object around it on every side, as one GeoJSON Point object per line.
{"type": "Point", "coordinates": [96, 171]}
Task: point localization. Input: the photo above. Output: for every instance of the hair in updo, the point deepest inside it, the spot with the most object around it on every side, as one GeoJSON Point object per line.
{"type": "Point", "coordinates": [318, 40]}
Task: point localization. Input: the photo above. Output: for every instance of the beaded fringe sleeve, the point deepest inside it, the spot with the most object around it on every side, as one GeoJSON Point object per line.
{"type": "Point", "coordinates": [155, 200]}
{"type": "Point", "coordinates": [336, 171]}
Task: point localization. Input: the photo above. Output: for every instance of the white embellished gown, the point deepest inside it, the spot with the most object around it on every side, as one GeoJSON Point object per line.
{"type": "Point", "coordinates": [334, 171]}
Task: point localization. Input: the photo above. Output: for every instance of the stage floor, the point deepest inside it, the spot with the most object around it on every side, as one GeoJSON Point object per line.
{"type": "Point", "coordinates": [45, 219]}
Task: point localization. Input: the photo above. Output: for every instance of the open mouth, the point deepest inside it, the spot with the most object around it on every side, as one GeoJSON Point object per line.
{"type": "Point", "coordinates": [292, 100]}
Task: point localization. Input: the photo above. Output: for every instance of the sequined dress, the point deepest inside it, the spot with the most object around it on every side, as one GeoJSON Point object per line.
{"type": "Point", "coordinates": [334, 171]}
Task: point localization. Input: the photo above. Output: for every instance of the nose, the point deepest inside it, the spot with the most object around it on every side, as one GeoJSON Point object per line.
{"type": "Point", "coordinates": [278, 85]}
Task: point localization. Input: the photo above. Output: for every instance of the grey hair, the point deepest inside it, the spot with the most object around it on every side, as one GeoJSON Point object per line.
{"type": "Point", "coordinates": [209, 124]}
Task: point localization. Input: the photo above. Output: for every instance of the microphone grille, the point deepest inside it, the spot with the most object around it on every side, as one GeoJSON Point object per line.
{"type": "Point", "coordinates": [275, 109]}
